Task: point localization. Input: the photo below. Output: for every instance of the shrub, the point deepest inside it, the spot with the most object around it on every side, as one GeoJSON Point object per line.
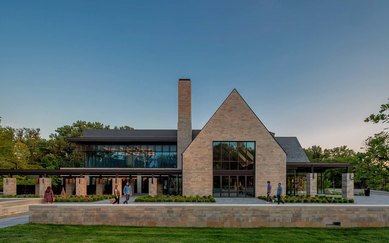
{"type": "Point", "coordinates": [306, 199]}
{"type": "Point", "coordinates": [165, 198]}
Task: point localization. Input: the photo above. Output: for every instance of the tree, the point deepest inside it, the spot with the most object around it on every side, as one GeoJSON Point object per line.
{"type": "Point", "coordinates": [374, 165]}
{"type": "Point", "coordinates": [382, 116]}
{"type": "Point", "coordinates": [65, 151]}
{"type": "Point", "coordinates": [6, 146]}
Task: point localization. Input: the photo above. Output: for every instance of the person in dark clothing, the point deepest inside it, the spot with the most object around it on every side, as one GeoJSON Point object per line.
{"type": "Point", "coordinates": [268, 192]}
{"type": "Point", "coordinates": [116, 194]}
{"type": "Point", "coordinates": [127, 192]}
{"type": "Point", "coordinates": [279, 193]}
{"type": "Point", "coordinates": [48, 197]}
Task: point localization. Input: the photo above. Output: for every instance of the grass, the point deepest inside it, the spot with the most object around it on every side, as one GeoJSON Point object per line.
{"type": "Point", "coordinates": [79, 233]}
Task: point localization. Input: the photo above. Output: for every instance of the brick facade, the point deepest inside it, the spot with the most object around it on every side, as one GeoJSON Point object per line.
{"type": "Point", "coordinates": [41, 186]}
{"type": "Point", "coordinates": [184, 126]}
{"type": "Point", "coordinates": [81, 186]}
{"type": "Point", "coordinates": [233, 121]}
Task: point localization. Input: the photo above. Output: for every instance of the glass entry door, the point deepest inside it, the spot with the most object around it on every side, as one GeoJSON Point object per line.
{"type": "Point", "coordinates": [233, 186]}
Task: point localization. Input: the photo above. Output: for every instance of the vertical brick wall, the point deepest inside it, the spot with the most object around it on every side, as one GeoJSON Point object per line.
{"type": "Point", "coordinates": [81, 186]}
{"type": "Point", "coordinates": [100, 186]}
{"type": "Point", "coordinates": [184, 126]}
{"type": "Point", "coordinates": [153, 186]}
{"type": "Point", "coordinates": [233, 121]}
{"type": "Point", "coordinates": [348, 185]}
{"type": "Point", "coordinates": [311, 184]}
{"type": "Point", "coordinates": [41, 186]}
{"type": "Point", "coordinates": [9, 186]}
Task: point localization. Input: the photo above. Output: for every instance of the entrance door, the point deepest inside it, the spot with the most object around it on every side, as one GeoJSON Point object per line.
{"type": "Point", "coordinates": [233, 186]}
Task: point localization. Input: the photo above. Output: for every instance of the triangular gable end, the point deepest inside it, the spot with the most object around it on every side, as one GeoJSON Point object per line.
{"type": "Point", "coordinates": [234, 116]}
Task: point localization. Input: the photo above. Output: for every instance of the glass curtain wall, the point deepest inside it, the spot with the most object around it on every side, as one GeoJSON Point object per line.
{"type": "Point", "coordinates": [233, 169]}
{"type": "Point", "coordinates": [130, 156]}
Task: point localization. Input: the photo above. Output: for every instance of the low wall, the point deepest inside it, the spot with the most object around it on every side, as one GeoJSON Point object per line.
{"type": "Point", "coordinates": [13, 206]}
{"type": "Point", "coordinates": [216, 215]}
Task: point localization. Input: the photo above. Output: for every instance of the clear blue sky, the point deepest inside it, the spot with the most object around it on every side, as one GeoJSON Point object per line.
{"type": "Point", "coordinates": [311, 69]}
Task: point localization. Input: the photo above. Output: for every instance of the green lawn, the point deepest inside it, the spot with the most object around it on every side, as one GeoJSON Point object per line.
{"type": "Point", "coordinates": [77, 233]}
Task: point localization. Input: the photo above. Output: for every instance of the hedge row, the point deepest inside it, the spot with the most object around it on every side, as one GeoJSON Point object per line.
{"type": "Point", "coordinates": [92, 198]}
{"type": "Point", "coordinates": [306, 199]}
{"type": "Point", "coordinates": [165, 198]}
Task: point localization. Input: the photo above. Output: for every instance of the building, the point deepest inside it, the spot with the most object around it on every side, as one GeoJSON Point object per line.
{"type": "Point", "coordinates": [233, 155]}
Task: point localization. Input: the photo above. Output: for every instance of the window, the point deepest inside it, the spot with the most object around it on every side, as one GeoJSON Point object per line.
{"type": "Point", "coordinates": [233, 155]}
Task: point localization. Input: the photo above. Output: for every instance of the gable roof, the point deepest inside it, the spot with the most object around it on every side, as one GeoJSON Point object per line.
{"type": "Point", "coordinates": [292, 147]}
{"type": "Point", "coordinates": [234, 91]}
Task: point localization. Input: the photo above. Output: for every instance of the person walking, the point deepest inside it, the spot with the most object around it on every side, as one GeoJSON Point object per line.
{"type": "Point", "coordinates": [116, 194]}
{"type": "Point", "coordinates": [279, 193]}
{"type": "Point", "coordinates": [268, 198]}
{"type": "Point", "coordinates": [48, 197]}
{"type": "Point", "coordinates": [127, 192]}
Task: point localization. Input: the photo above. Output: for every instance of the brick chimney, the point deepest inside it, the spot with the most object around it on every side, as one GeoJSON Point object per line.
{"type": "Point", "coordinates": [184, 126]}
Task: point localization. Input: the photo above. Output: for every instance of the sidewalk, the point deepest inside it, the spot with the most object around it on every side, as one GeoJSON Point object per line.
{"type": "Point", "coordinates": [11, 221]}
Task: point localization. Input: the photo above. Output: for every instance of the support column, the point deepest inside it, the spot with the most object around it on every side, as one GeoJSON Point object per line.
{"type": "Point", "coordinates": [9, 186]}
{"type": "Point", "coordinates": [311, 184]}
{"type": "Point", "coordinates": [81, 186]}
{"type": "Point", "coordinates": [153, 186]}
{"type": "Point", "coordinates": [139, 184]}
{"type": "Point", "coordinates": [117, 181]}
{"type": "Point", "coordinates": [70, 185]}
{"type": "Point", "coordinates": [100, 186]}
{"type": "Point", "coordinates": [41, 186]}
{"type": "Point", "coordinates": [348, 185]}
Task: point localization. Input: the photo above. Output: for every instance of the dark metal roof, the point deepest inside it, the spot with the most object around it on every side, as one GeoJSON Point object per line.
{"type": "Point", "coordinates": [291, 146]}
{"type": "Point", "coordinates": [294, 151]}
{"type": "Point", "coordinates": [317, 167]}
{"type": "Point", "coordinates": [110, 135]}
{"type": "Point", "coordinates": [92, 171]}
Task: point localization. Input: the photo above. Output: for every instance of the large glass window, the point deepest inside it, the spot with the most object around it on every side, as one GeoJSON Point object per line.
{"type": "Point", "coordinates": [233, 155]}
{"type": "Point", "coordinates": [131, 156]}
{"type": "Point", "coordinates": [233, 168]}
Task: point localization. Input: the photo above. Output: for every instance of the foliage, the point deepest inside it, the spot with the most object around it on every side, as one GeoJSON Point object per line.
{"type": "Point", "coordinates": [165, 198]}
{"type": "Point", "coordinates": [104, 233]}
{"type": "Point", "coordinates": [373, 166]}
{"type": "Point", "coordinates": [307, 199]}
{"type": "Point", "coordinates": [382, 116]}
{"type": "Point", "coordinates": [90, 198]}
{"type": "Point", "coordinates": [25, 149]}
{"type": "Point", "coordinates": [342, 154]}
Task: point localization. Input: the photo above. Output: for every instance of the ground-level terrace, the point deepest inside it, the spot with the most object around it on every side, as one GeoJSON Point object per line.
{"type": "Point", "coordinates": [302, 179]}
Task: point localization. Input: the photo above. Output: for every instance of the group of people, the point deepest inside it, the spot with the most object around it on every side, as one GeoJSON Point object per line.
{"type": "Point", "coordinates": [48, 196]}
{"type": "Point", "coordinates": [279, 193]}
{"type": "Point", "coordinates": [126, 191]}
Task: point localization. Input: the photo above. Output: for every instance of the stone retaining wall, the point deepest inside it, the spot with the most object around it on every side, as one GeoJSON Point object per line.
{"type": "Point", "coordinates": [13, 206]}
{"type": "Point", "coordinates": [216, 215]}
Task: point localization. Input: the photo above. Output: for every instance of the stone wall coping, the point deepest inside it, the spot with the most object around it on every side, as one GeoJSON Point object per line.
{"type": "Point", "coordinates": [7, 200]}
{"type": "Point", "coordinates": [205, 205]}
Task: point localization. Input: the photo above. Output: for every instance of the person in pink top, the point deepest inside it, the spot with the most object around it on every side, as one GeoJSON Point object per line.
{"type": "Point", "coordinates": [49, 195]}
